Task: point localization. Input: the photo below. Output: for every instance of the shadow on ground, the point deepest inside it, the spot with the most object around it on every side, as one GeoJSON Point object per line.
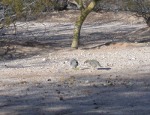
{"type": "Point", "coordinates": [105, 96]}
{"type": "Point", "coordinates": [93, 35]}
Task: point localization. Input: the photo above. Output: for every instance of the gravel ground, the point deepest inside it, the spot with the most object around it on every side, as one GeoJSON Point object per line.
{"type": "Point", "coordinates": [41, 82]}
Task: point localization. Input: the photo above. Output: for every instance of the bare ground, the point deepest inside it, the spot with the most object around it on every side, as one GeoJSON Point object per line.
{"type": "Point", "coordinates": [36, 78]}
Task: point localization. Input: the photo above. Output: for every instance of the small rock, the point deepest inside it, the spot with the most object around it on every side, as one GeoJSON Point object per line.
{"type": "Point", "coordinates": [86, 81]}
{"type": "Point", "coordinates": [61, 98]}
{"type": "Point", "coordinates": [49, 80]}
{"type": "Point", "coordinates": [94, 85]}
{"type": "Point", "coordinates": [58, 91]}
{"type": "Point", "coordinates": [96, 107]}
{"type": "Point", "coordinates": [44, 59]}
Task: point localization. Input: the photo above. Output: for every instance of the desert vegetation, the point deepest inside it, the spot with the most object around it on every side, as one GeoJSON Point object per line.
{"type": "Point", "coordinates": [13, 10]}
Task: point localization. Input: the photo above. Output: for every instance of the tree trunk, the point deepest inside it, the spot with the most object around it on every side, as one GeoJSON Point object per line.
{"type": "Point", "coordinates": [76, 34]}
{"type": "Point", "coordinates": [78, 24]}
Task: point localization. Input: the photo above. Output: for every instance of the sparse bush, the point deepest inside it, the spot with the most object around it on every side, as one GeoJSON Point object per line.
{"type": "Point", "coordinates": [17, 9]}
{"type": "Point", "coordinates": [140, 7]}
